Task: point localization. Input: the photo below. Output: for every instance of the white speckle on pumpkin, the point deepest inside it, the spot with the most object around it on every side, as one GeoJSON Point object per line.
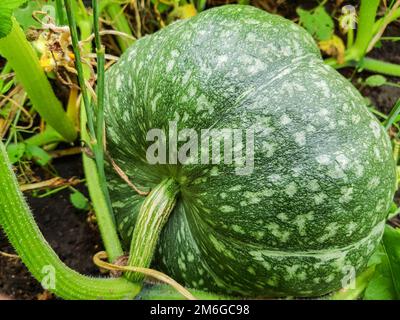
{"type": "Point", "coordinates": [323, 113]}
{"type": "Point", "coordinates": [291, 270]}
{"type": "Point", "coordinates": [342, 160]}
{"type": "Point", "coordinates": [329, 278]}
{"type": "Point", "coordinates": [297, 171]}
{"type": "Point", "coordinates": [320, 198]}
{"type": "Point", "coordinates": [351, 227]}
{"type": "Point", "coordinates": [376, 130]}
{"type": "Point", "coordinates": [181, 264]}
{"type": "Point", "coordinates": [284, 120]}
{"type": "Point", "coordinates": [269, 148]}
{"type": "Point", "coordinates": [359, 170]}
{"type": "Point", "coordinates": [373, 182]}
{"type": "Point", "coordinates": [170, 65]}
{"type": "Point", "coordinates": [313, 185]}
{"type": "Point", "coordinates": [310, 128]}
{"type": "Point", "coordinates": [301, 221]}
{"type": "Point", "coordinates": [275, 177]}
{"type": "Point", "coordinates": [192, 91]}
{"type": "Point", "coordinates": [118, 82]}
{"type": "Point", "coordinates": [324, 88]}
{"type": "Point", "coordinates": [235, 188]}
{"type": "Point", "coordinates": [323, 159]}
{"type": "Point", "coordinates": [238, 229]}
{"type": "Point", "coordinates": [214, 171]}
{"type": "Point", "coordinates": [282, 216]}
{"type": "Point", "coordinates": [355, 118]}
{"type": "Point", "coordinates": [251, 37]}
{"type": "Point", "coordinates": [251, 270]}
{"type": "Point", "coordinates": [259, 235]}
{"type": "Point", "coordinates": [300, 138]}
{"type": "Point", "coordinates": [186, 76]}
{"type": "Point", "coordinates": [347, 194]}
{"type": "Point", "coordinates": [226, 209]}
{"type": "Point", "coordinates": [291, 189]}
{"type": "Point", "coordinates": [252, 197]}
{"type": "Point", "coordinates": [221, 60]}
{"type": "Point", "coordinates": [276, 231]}
{"type": "Point", "coordinates": [330, 231]}
{"type": "Point", "coordinates": [256, 67]}
{"type": "Point", "coordinates": [125, 115]}
{"type": "Point", "coordinates": [267, 192]}
{"type": "Point", "coordinates": [377, 153]}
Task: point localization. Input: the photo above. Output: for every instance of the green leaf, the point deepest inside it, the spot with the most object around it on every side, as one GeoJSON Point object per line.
{"type": "Point", "coordinates": [6, 10]}
{"type": "Point", "coordinates": [79, 201]}
{"type": "Point", "coordinates": [36, 153]}
{"type": "Point", "coordinates": [24, 15]}
{"type": "Point", "coordinates": [317, 22]}
{"type": "Point", "coordinates": [15, 152]}
{"type": "Point", "coordinates": [375, 81]}
{"type": "Point", "coordinates": [385, 284]}
{"type": "Point", "coordinates": [6, 87]}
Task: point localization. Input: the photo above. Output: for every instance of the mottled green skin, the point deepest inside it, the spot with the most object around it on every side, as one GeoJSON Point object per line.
{"type": "Point", "coordinates": [324, 176]}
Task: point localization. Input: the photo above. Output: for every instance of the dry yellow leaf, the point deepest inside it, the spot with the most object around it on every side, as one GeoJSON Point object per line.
{"type": "Point", "coordinates": [184, 12]}
{"type": "Point", "coordinates": [333, 47]}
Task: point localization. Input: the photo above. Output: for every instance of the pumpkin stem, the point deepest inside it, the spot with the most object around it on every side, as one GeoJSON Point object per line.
{"type": "Point", "coordinates": [152, 217]}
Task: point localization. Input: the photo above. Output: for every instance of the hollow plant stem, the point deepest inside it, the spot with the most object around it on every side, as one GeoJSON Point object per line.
{"type": "Point", "coordinates": [366, 21]}
{"type": "Point", "coordinates": [99, 151]}
{"type": "Point", "coordinates": [383, 67]}
{"type": "Point", "coordinates": [152, 217]}
{"type": "Point", "coordinates": [44, 264]}
{"type": "Point", "coordinates": [78, 64]}
{"type": "Point", "coordinates": [25, 63]}
{"type": "Point", "coordinates": [98, 144]}
{"type": "Point", "coordinates": [96, 186]}
{"type": "Point", "coordinates": [350, 38]}
{"type": "Point", "coordinates": [368, 64]}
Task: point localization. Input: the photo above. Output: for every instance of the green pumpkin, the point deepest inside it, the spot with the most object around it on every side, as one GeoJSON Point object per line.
{"type": "Point", "coordinates": [313, 209]}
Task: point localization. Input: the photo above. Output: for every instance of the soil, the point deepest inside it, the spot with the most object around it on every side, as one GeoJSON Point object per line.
{"type": "Point", "coordinates": [65, 228]}
{"type": "Point", "coordinates": [76, 241]}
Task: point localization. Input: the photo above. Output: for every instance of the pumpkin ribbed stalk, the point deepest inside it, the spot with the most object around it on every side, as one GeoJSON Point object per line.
{"type": "Point", "coordinates": [25, 236]}
{"type": "Point", "coordinates": [152, 217]}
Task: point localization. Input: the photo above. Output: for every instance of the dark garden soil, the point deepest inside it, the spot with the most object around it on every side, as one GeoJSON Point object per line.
{"type": "Point", "coordinates": [76, 240]}
{"type": "Point", "coordinates": [66, 229]}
